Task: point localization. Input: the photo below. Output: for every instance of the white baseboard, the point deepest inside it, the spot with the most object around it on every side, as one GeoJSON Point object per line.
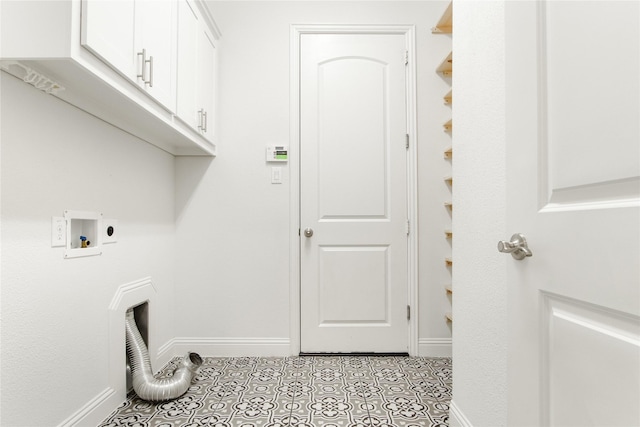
{"type": "Point", "coordinates": [456, 417]}
{"type": "Point", "coordinates": [95, 411]}
{"type": "Point", "coordinates": [434, 347]}
{"type": "Point", "coordinates": [224, 347]}
{"type": "Point", "coordinates": [100, 406]}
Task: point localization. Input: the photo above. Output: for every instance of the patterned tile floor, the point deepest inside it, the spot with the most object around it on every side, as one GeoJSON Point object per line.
{"type": "Point", "coordinates": [306, 391]}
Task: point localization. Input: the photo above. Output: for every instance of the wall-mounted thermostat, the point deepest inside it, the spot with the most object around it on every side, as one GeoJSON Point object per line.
{"type": "Point", "coordinates": [277, 153]}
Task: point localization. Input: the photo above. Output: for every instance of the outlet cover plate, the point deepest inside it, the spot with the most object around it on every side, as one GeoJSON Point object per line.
{"type": "Point", "coordinates": [58, 232]}
{"type": "Point", "coordinates": [109, 226]}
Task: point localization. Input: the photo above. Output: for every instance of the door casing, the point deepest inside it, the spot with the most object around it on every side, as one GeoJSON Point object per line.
{"type": "Point", "coordinates": [294, 164]}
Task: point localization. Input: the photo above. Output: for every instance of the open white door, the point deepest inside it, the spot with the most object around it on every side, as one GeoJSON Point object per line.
{"type": "Point", "coordinates": [353, 193]}
{"type": "Point", "coordinates": [573, 189]}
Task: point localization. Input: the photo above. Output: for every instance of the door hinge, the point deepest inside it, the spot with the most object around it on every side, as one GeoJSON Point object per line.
{"type": "Point", "coordinates": [406, 141]}
{"type": "Point", "coordinates": [298, 231]}
{"type": "Point", "coordinates": [408, 227]}
{"type": "Point", "coordinates": [408, 312]}
{"type": "Point", "coordinates": [406, 57]}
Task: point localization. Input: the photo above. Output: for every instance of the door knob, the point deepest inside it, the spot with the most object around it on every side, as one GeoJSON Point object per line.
{"type": "Point", "coordinates": [517, 247]}
{"type": "Point", "coordinates": [308, 232]}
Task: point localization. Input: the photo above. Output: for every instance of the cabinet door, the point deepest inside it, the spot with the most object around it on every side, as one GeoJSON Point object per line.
{"type": "Point", "coordinates": [187, 91]}
{"type": "Point", "coordinates": [206, 82]}
{"type": "Point", "coordinates": [108, 31]}
{"type": "Point", "coordinates": [155, 33]}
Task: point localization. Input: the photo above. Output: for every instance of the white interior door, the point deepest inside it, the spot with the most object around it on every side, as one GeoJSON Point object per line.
{"type": "Point", "coordinates": [353, 193]}
{"type": "Point", "coordinates": [573, 189]}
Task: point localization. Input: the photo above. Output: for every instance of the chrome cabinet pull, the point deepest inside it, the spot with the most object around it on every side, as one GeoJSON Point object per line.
{"type": "Point", "coordinates": [517, 247]}
{"type": "Point", "coordinates": [201, 119]}
{"type": "Point", "coordinates": [150, 61]}
{"type": "Point", "coordinates": [143, 73]}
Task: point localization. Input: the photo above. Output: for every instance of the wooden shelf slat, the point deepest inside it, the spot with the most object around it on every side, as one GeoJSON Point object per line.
{"type": "Point", "coordinates": [446, 67]}
{"type": "Point", "coordinates": [448, 262]}
{"type": "Point", "coordinates": [445, 24]}
{"type": "Point", "coordinates": [449, 289]}
{"type": "Point", "coordinates": [448, 180]}
{"type": "Point", "coordinates": [448, 126]}
{"type": "Point", "coordinates": [449, 317]}
{"type": "Point", "coordinates": [448, 234]}
{"type": "Point", "coordinates": [448, 98]}
{"type": "Point", "coordinates": [448, 153]}
{"type": "Point", "coordinates": [448, 205]}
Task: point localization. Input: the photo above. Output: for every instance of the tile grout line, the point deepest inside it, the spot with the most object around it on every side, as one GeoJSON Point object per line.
{"type": "Point", "coordinates": [430, 388]}
{"type": "Point", "coordinates": [247, 382]}
{"type": "Point", "coordinates": [223, 388]}
{"type": "Point", "coordinates": [364, 392]}
{"type": "Point", "coordinates": [424, 380]}
{"type": "Point", "coordinates": [293, 398]}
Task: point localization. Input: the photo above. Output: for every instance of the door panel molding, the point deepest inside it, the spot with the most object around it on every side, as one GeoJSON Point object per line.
{"type": "Point", "coordinates": [573, 333]}
{"type": "Point", "coordinates": [567, 120]}
{"type": "Point", "coordinates": [337, 308]}
{"type": "Point", "coordinates": [296, 31]}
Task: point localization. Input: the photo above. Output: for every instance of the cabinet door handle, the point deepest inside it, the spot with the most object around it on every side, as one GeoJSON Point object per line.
{"type": "Point", "coordinates": [143, 73]}
{"type": "Point", "coordinates": [201, 119]}
{"type": "Point", "coordinates": [205, 121]}
{"type": "Point", "coordinates": [150, 61]}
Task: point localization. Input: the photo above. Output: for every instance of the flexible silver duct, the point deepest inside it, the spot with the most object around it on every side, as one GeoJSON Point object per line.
{"type": "Point", "coordinates": [146, 386]}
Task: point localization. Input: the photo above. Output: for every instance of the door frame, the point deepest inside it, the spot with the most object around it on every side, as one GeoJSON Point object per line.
{"type": "Point", "coordinates": [296, 31]}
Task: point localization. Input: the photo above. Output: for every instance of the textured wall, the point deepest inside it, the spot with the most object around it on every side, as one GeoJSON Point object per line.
{"type": "Point", "coordinates": [54, 311]}
{"type": "Point", "coordinates": [233, 224]}
{"type": "Point", "coordinates": [479, 276]}
{"type": "Point", "coordinates": [232, 240]}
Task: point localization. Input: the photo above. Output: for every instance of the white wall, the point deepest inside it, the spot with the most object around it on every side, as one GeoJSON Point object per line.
{"type": "Point", "coordinates": [479, 275]}
{"type": "Point", "coordinates": [233, 224]}
{"type": "Point", "coordinates": [55, 311]}
{"type": "Point", "coordinates": [216, 227]}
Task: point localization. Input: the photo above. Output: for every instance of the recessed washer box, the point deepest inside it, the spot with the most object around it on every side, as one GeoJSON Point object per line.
{"type": "Point", "coordinates": [84, 234]}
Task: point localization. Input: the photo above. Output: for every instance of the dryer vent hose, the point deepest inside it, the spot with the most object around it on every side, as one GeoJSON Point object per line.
{"type": "Point", "coordinates": [146, 386]}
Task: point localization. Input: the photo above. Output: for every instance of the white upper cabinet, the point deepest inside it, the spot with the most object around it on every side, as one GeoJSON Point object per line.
{"type": "Point", "coordinates": [196, 70]}
{"type": "Point", "coordinates": [113, 43]}
{"type": "Point", "coordinates": [188, 30]}
{"type": "Point", "coordinates": [155, 49]}
{"type": "Point", "coordinates": [206, 83]}
{"type": "Point", "coordinates": [137, 38]}
{"type": "Point", "coordinates": [120, 61]}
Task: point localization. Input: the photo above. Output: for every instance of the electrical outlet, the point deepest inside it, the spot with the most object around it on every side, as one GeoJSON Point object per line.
{"type": "Point", "coordinates": [109, 230]}
{"type": "Point", "coordinates": [58, 231]}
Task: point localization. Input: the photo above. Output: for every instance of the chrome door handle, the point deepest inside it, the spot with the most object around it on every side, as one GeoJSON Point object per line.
{"type": "Point", "coordinates": [517, 247]}
{"type": "Point", "coordinates": [308, 232]}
